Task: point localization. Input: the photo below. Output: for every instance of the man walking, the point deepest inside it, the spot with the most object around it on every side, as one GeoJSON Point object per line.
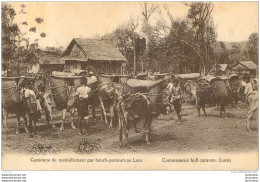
{"type": "Point", "coordinates": [176, 99]}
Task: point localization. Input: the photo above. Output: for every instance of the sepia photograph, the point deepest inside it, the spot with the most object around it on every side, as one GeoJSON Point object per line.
{"type": "Point", "coordinates": [130, 85]}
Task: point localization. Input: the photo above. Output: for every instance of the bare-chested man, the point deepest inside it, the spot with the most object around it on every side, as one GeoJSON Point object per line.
{"type": "Point", "coordinates": [176, 99]}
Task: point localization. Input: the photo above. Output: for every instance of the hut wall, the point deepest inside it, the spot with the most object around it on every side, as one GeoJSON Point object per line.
{"type": "Point", "coordinates": [69, 65]}
{"type": "Point", "coordinates": [48, 68]}
{"type": "Point", "coordinates": [105, 67]}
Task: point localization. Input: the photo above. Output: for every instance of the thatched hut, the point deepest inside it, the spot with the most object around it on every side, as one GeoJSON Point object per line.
{"type": "Point", "coordinates": [100, 54]}
{"type": "Point", "coordinates": [42, 62]}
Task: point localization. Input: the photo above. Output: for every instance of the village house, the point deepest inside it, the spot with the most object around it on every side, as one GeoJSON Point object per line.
{"type": "Point", "coordinates": [43, 62]}
{"type": "Point", "coordinates": [100, 54]}
{"type": "Point", "coordinates": [245, 67]}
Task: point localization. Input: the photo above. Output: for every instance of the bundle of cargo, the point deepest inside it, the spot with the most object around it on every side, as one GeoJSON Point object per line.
{"type": "Point", "coordinates": [234, 82]}
{"type": "Point", "coordinates": [162, 76]}
{"type": "Point", "coordinates": [205, 88]}
{"type": "Point", "coordinates": [220, 89]}
{"type": "Point", "coordinates": [151, 89]}
{"type": "Point", "coordinates": [10, 93]}
{"type": "Point", "coordinates": [60, 88]}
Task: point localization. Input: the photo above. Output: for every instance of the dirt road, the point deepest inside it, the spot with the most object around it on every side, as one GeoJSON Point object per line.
{"type": "Point", "coordinates": [212, 133]}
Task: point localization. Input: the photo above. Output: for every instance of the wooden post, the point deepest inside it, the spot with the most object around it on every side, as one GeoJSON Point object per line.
{"type": "Point", "coordinates": [134, 57]}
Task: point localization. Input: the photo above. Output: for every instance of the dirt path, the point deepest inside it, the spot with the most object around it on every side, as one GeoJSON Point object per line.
{"type": "Point", "coordinates": [212, 133]}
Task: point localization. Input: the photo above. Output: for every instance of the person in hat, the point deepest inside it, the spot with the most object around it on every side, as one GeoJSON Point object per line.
{"type": "Point", "coordinates": [176, 98]}
{"type": "Point", "coordinates": [82, 98]}
{"type": "Point", "coordinates": [92, 76]}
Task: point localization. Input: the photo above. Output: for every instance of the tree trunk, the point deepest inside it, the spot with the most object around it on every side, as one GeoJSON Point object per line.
{"type": "Point", "coordinates": [134, 58]}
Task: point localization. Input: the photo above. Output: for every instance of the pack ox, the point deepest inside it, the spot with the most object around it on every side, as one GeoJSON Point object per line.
{"type": "Point", "coordinates": [252, 100]}
{"type": "Point", "coordinates": [12, 101]}
{"type": "Point", "coordinates": [63, 90]}
{"type": "Point", "coordinates": [108, 96]}
{"type": "Point", "coordinates": [217, 90]}
{"type": "Point", "coordinates": [140, 101]}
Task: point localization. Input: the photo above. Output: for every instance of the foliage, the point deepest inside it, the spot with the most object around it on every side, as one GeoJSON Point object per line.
{"type": "Point", "coordinates": [13, 52]}
{"type": "Point", "coordinates": [9, 32]}
{"type": "Point", "coordinates": [38, 20]}
{"type": "Point", "coordinates": [252, 47]}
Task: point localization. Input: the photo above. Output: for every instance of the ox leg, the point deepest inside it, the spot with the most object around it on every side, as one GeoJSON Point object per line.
{"type": "Point", "coordinates": [18, 123]}
{"type": "Point", "coordinates": [204, 110]}
{"type": "Point", "coordinates": [30, 127]}
{"type": "Point", "coordinates": [35, 128]}
{"type": "Point", "coordinates": [148, 133]}
{"type": "Point", "coordinates": [126, 129]}
{"type": "Point", "coordinates": [51, 121]}
{"type": "Point", "coordinates": [63, 119]}
{"type": "Point", "coordinates": [125, 125]}
{"type": "Point", "coordinates": [73, 119]}
{"type": "Point", "coordinates": [93, 112]}
{"type": "Point", "coordinates": [249, 118]}
{"type": "Point", "coordinates": [198, 110]}
{"type": "Point", "coordinates": [203, 106]}
{"type": "Point", "coordinates": [120, 130]}
{"type": "Point", "coordinates": [86, 127]}
{"type": "Point", "coordinates": [5, 114]}
{"type": "Point", "coordinates": [104, 112]}
{"type": "Point", "coordinates": [25, 123]}
{"type": "Point", "coordinates": [80, 126]}
{"type": "Point", "coordinates": [112, 116]}
{"type": "Point", "coordinates": [222, 110]}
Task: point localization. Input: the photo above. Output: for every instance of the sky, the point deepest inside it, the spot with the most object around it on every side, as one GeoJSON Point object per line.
{"type": "Point", "coordinates": [63, 21]}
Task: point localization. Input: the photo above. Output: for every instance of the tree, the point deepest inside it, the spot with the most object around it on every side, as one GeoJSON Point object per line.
{"type": "Point", "coordinates": [200, 17]}
{"type": "Point", "coordinates": [9, 30]}
{"type": "Point", "coordinates": [23, 51]}
{"type": "Point", "coordinates": [252, 47]}
{"type": "Point", "coordinates": [147, 29]}
{"type": "Point", "coordinates": [125, 38]}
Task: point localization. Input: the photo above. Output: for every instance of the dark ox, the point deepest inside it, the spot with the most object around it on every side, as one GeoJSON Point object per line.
{"type": "Point", "coordinates": [12, 101]}
{"type": "Point", "coordinates": [140, 101]}
{"type": "Point", "coordinates": [218, 91]}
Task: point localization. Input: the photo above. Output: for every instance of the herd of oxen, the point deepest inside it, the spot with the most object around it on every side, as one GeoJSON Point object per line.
{"type": "Point", "coordinates": [130, 100]}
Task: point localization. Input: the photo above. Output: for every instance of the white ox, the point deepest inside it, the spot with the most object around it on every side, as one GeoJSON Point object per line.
{"type": "Point", "coordinates": [253, 106]}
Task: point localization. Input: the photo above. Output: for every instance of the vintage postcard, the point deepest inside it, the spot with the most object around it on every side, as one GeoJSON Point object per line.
{"type": "Point", "coordinates": [130, 86]}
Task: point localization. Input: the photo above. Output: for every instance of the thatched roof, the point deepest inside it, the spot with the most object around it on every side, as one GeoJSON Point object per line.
{"type": "Point", "coordinates": [97, 50]}
{"type": "Point", "coordinates": [249, 64]}
{"type": "Point", "coordinates": [48, 57]}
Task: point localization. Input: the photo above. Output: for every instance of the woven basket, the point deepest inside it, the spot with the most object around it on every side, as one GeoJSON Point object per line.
{"type": "Point", "coordinates": [219, 88]}
{"type": "Point", "coordinates": [10, 95]}
{"type": "Point", "coordinates": [59, 92]}
{"type": "Point", "coordinates": [156, 97]}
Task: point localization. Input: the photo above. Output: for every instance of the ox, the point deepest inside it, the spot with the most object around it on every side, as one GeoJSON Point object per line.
{"type": "Point", "coordinates": [198, 96]}
{"type": "Point", "coordinates": [252, 100]}
{"type": "Point", "coordinates": [140, 100]}
{"type": "Point", "coordinates": [12, 101]}
{"type": "Point", "coordinates": [108, 97]}
{"type": "Point", "coordinates": [63, 95]}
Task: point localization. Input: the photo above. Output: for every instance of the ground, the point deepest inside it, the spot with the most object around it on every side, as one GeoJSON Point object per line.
{"type": "Point", "coordinates": [211, 133]}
